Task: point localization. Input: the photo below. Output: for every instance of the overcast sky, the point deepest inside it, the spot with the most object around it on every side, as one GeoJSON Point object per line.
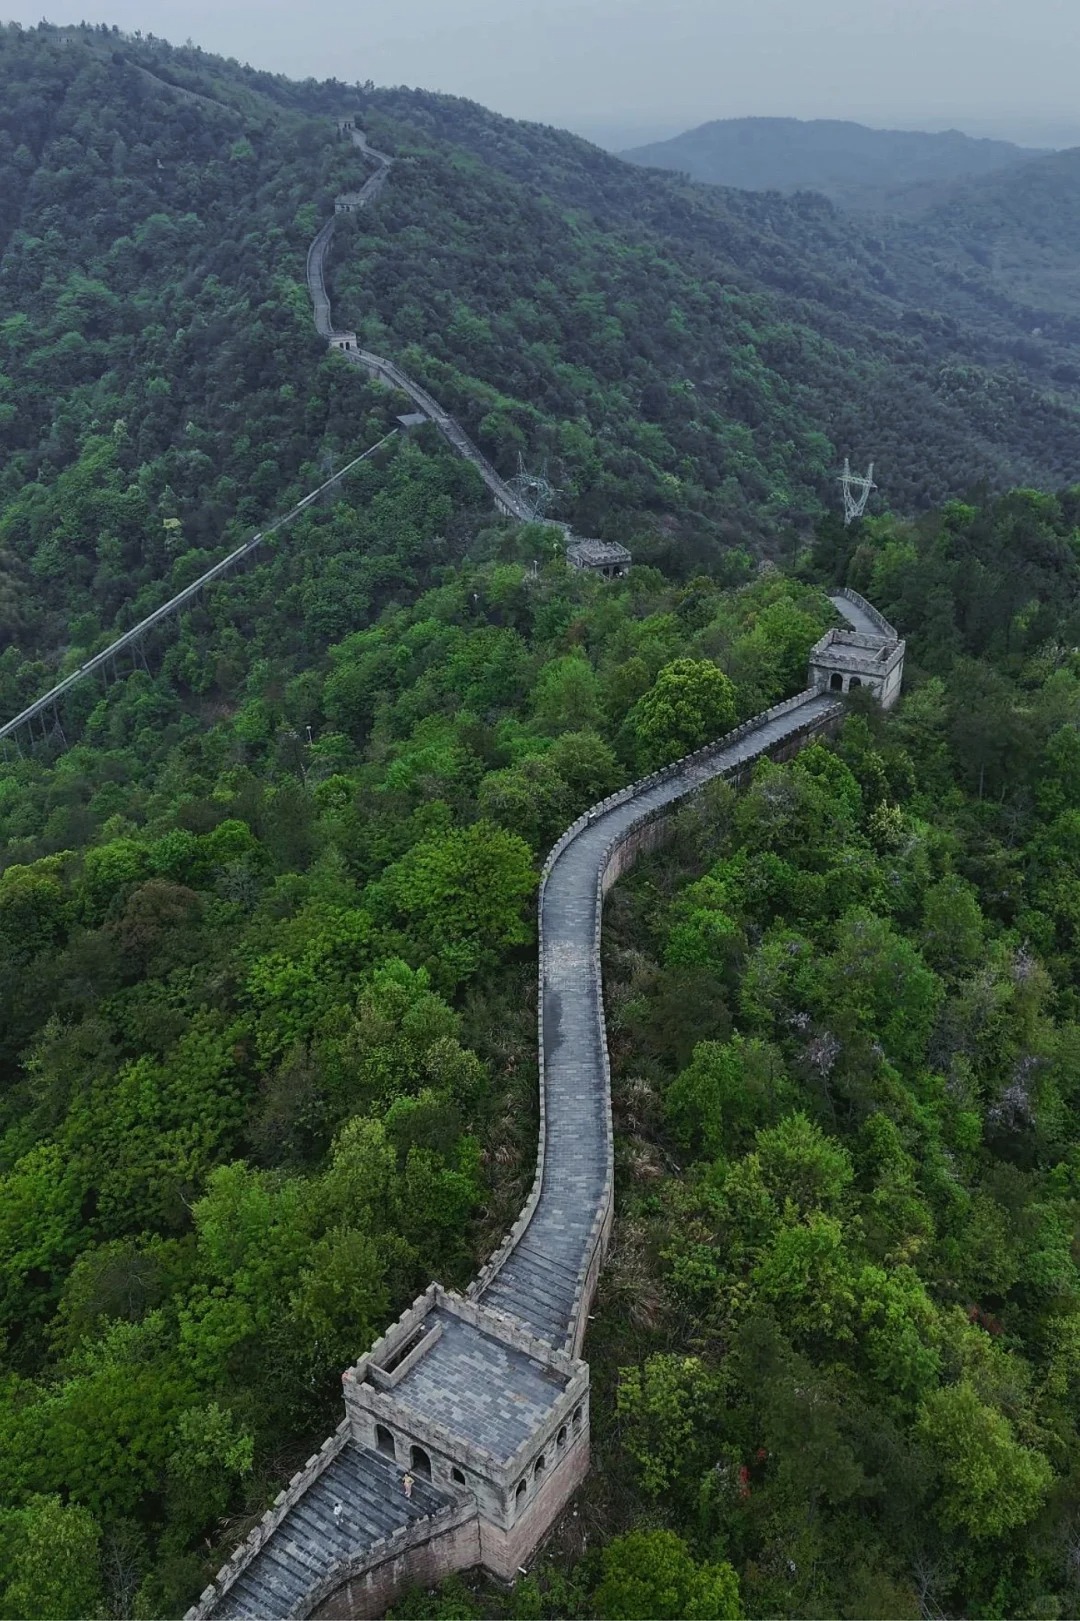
{"type": "Point", "coordinates": [1008, 67]}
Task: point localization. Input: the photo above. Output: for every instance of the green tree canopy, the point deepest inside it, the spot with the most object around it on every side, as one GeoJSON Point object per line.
{"type": "Point", "coordinates": [690, 703]}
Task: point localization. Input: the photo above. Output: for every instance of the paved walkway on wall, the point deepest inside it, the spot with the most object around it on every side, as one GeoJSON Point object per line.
{"type": "Point", "coordinates": [856, 615]}
{"type": "Point", "coordinates": [349, 1501]}
{"type": "Point", "coordinates": [540, 1281]}
{"type": "Point", "coordinates": [357, 1501]}
{"type": "Point", "coordinates": [540, 1276]}
{"type": "Point", "coordinates": [507, 500]}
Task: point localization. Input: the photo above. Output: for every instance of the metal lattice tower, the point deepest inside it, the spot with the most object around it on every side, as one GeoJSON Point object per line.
{"type": "Point", "coordinates": [856, 491]}
{"type": "Point", "coordinates": [535, 489]}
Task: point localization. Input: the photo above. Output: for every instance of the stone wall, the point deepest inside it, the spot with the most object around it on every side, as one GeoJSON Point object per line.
{"type": "Point", "coordinates": [499, 1508]}
{"type": "Point", "coordinates": [878, 620]}
{"type": "Point", "coordinates": [421, 1556]}
{"type": "Point", "coordinates": [492, 1482]}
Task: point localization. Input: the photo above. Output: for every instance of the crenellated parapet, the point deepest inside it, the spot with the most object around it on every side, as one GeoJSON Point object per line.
{"type": "Point", "coordinates": [869, 655]}
{"type": "Point", "coordinates": [467, 1423]}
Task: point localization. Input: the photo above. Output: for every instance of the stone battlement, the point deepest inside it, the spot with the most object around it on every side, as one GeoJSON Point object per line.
{"type": "Point", "coordinates": [467, 1423]}
{"type": "Point", "coordinates": [870, 655]}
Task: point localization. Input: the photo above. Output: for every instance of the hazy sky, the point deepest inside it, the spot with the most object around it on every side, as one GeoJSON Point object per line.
{"type": "Point", "coordinates": [604, 66]}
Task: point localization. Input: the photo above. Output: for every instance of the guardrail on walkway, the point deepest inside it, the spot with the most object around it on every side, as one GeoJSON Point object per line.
{"type": "Point", "coordinates": [27, 716]}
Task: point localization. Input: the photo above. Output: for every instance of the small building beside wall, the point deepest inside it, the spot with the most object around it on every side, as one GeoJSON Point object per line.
{"type": "Point", "coordinates": [605, 557]}
{"type": "Point", "coordinates": [345, 341]}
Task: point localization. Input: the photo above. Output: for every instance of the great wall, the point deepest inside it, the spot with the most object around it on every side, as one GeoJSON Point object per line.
{"type": "Point", "coordinates": [466, 1427]}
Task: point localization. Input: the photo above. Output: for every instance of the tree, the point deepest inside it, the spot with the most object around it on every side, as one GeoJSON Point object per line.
{"type": "Point", "coordinates": [50, 1561]}
{"type": "Point", "coordinates": [690, 703]}
{"type": "Point", "coordinates": [990, 1483]}
{"type": "Point", "coordinates": [668, 1408]}
{"type": "Point", "coordinates": [647, 1574]}
{"type": "Point", "coordinates": [33, 908]}
{"type": "Point", "coordinates": [462, 896]}
{"type": "Point", "coordinates": [212, 1453]}
{"type": "Point", "coordinates": [567, 695]}
{"type": "Point", "coordinates": [877, 984]}
{"type": "Point", "coordinates": [800, 1165]}
{"type": "Point", "coordinates": [953, 927]}
{"type": "Point", "coordinates": [530, 799]}
{"type": "Point", "coordinates": [728, 1090]}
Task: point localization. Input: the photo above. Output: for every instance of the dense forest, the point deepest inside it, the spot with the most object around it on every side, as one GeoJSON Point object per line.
{"type": "Point", "coordinates": [267, 952]}
{"type": "Point", "coordinates": [694, 363]}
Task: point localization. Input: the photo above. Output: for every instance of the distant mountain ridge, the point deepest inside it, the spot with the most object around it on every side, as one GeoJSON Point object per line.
{"type": "Point", "coordinates": [856, 167]}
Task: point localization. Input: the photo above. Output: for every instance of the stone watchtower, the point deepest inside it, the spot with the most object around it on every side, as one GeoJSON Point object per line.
{"type": "Point", "coordinates": [604, 557]}
{"type": "Point", "coordinates": [467, 1398]}
{"type": "Point", "coordinates": [464, 1438]}
{"type": "Point", "coordinates": [871, 655]}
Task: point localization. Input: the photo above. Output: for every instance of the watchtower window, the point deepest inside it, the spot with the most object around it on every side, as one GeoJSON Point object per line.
{"type": "Point", "coordinates": [560, 1439]}
{"type": "Point", "coordinates": [836, 683]}
{"type": "Point", "coordinates": [455, 1474]}
{"type": "Point", "coordinates": [385, 1441]}
{"type": "Point", "coordinates": [854, 682]}
{"type": "Point", "coordinates": [541, 1465]}
{"type": "Point", "coordinates": [577, 1421]}
{"type": "Point", "coordinates": [519, 1495]}
{"type": "Point", "coordinates": [421, 1463]}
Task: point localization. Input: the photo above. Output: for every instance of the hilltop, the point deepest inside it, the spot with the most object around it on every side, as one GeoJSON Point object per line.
{"type": "Point", "coordinates": [860, 169]}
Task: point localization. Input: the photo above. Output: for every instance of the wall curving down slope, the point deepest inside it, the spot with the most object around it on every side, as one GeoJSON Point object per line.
{"type": "Point", "coordinates": [477, 1394]}
{"type": "Point", "coordinates": [541, 1276]}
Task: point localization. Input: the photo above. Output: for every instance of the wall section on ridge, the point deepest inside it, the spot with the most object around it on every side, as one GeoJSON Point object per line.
{"type": "Point", "coordinates": [497, 1483]}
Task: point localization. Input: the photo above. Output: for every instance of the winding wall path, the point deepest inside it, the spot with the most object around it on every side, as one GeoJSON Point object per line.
{"type": "Point", "coordinates": [544, 1275]}
{"type": "Point", "coordinates": [348, 1517]}
{"type": "Point", "coordinates": [507, 500]}
{"type": "Point", "coordinates": [342, 1537]}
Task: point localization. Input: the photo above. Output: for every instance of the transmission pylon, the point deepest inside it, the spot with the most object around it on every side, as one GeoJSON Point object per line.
{"type": "Point", "coordinates": [856, 491]}
{"type": "Point", "coordinates": [535, 489]}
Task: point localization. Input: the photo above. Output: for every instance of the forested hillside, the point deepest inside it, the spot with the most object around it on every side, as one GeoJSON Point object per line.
{"type": "Point", "coordinates": [1014, 236]}
{"type": "Point", "coordinates": [777, 319]}
{"type": "Point", "coordinates": [866, 170]}
{"type": "Point", "coordinates": [694, 363]}
{"type": "Point", "coordinates": [268, 979]}
{"type": "Point", "coordinates": [267, 957]}
{"type": "Point", "coordinates": [835, 1347]}
{"type": "Point", "coordinates": [157, 360]}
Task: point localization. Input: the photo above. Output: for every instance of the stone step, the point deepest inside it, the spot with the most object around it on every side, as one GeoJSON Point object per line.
{"type": "Point", "coordinates": [539, 1315]}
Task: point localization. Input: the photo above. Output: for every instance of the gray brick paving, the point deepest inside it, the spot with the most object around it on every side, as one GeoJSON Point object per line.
{"type": "Point", "coordinates": [538, 1281]}
{"type": "Point", "coordinates": [365, 1489]}
{"type": "Point", "coordinates": [492, 1394]}
{"type": "Point", "coordinates": [489, 1394]}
